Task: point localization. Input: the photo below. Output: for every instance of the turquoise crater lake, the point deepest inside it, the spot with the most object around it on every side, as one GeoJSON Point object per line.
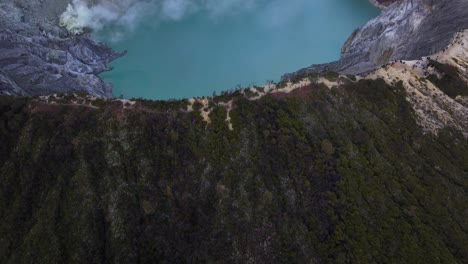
{"type": "Point", "coordinates": [202, 53]}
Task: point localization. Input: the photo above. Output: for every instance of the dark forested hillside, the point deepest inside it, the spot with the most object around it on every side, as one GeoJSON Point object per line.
{"type": "Point", "coordinates": [314, 176]}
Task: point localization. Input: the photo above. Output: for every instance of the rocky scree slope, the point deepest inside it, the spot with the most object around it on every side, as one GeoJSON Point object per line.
{"type": "Point", "coordinates": [37, 57]}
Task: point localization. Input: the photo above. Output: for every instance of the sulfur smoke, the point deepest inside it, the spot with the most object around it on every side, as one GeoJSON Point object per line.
{"type": "Point", "coordinates": [97, 14]}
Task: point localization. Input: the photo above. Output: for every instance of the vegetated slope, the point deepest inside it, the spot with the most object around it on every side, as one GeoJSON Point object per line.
{"type": "Point", "coordinates": [319, 175]}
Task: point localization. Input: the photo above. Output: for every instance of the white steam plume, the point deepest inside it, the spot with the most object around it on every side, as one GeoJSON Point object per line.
{"type": "Point", "coordinates": [80, 14]}
{"type": "Point", "coordinates": [96, 14]}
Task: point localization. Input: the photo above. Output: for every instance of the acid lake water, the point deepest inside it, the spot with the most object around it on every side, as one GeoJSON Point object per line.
{"type": "Point", "coordinates": [202, 53]}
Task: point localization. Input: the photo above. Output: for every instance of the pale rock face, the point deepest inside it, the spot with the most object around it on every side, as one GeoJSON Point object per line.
{"type": "Point", "coordinates": [387, 35]}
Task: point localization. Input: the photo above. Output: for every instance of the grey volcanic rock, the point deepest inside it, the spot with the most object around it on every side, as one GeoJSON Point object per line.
{"type": "Point", "coordinates": [42, 65]}
{"type": "Point", "coordinates": [407, 29]}
{"type": "Point", "coordinates": [39, 58]}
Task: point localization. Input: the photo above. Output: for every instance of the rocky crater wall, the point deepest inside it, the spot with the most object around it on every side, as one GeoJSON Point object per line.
{"type": "Point", "coordinates": [405, 30]}
{"type": "Point", "coordinates": [37, 57]}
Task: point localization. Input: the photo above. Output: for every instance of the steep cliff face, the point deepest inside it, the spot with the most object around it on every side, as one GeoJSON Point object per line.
{"type": "Point", "coordinates": [37, 57]}
{"type": "Point", "coordinates": [406, 30]}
